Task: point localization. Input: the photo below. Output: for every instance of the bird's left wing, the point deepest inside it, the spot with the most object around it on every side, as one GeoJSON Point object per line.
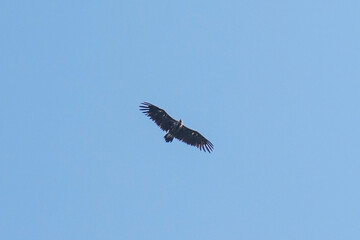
{"type": "Point", "coordinates": [194, 138]}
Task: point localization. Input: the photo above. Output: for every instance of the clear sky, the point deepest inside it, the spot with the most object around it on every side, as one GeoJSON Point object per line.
{"type": "Point", "coordinates": [275, 85]}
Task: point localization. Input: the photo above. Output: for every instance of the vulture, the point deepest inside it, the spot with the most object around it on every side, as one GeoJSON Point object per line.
{"type": "Point", "coordinates": [175, 129]}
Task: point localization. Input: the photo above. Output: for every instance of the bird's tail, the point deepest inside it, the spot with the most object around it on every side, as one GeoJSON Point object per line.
{"type": "Point", "coordinates": [168, 137]}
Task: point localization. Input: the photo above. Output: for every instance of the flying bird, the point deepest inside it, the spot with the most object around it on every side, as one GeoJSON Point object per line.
{"type": "Point", "coordinates": [175, 129]}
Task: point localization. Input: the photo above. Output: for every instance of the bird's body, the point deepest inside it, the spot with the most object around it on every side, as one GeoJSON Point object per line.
{"type": "Point", "coordinates": [175, 129]}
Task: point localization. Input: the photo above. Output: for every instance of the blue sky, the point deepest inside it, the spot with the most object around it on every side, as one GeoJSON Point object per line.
{"type": "Point", "coordinates": [275, 85]}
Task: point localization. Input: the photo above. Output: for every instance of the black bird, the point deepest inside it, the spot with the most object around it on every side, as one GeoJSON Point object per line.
{"type": "Point", "coordinates": [175, 128]}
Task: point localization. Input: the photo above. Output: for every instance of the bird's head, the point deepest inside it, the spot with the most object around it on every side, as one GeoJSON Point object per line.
{"type": "Point", "coordinates": [180, 122]}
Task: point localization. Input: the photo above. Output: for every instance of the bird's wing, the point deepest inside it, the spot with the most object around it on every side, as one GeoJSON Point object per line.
{"type": "Point", "coordinates": [158, 115]}
{"type": "Point", "coordinates": [194, 138]}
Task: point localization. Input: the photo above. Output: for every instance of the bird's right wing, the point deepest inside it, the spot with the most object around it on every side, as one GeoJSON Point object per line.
{"type": "Point", "coordinates": [158, 115]}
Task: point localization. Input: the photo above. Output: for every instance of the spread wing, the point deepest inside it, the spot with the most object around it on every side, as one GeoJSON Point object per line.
{"type": "Point", "coordinates": [158, 115]}
{"type": "Point", "coordinates": [194, 138]}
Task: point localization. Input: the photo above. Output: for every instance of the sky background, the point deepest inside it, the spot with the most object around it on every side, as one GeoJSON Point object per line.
{"type": "Point", "coordinates": [275, 85]}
